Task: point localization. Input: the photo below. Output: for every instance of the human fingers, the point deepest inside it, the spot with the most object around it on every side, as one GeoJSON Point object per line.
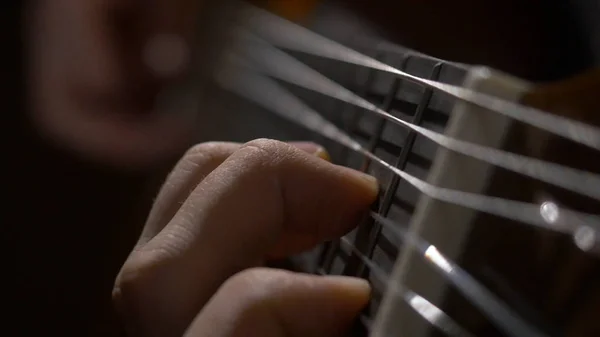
{"type": "Point", "coordinates": [189, 171]}
{"type": "Point", "coordinates": [194, 166]}
{"type": "Point", "coordinates": [274, 303]}
{"type": "Point", "coordinates": [268, 199]}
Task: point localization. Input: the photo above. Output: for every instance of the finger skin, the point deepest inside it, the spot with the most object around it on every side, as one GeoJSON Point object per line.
{"type": "Point", "coordinates": [195, 165]}
{"type": "Point", "coordinates": [235, 218]}
{"type": "Point", "coordinates": [274, 303]}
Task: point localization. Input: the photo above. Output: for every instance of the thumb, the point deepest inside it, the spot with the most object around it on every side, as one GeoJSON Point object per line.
{"type": "Point", "coordinates": [275, 303]}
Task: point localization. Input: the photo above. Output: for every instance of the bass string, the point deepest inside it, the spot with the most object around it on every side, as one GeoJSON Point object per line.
{"type": "Point", "coordinates": [288, 35]}
{"type": "Point", "coordinates": [275, 98]}
{"type": "Point", "coordinates": [284, 67]}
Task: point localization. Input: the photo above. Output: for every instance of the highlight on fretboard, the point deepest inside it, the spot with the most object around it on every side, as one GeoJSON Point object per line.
{"type": "Point", "coordinates": [486, 225]}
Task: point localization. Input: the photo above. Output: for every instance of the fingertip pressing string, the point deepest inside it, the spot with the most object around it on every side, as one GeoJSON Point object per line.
{"type": "Point", "coordinates": [241, 75]}
{"type": "Point", "coordinates": [277, 64]}
{"type": "Point", "coordinates": [272, 96]}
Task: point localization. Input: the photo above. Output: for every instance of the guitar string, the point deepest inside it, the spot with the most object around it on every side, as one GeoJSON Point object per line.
{"type": "Point", "coordinates": [272, 96]}
{"type": "Point", "coordinates": [285, 34]}
{"type": "Point", "coordinates": [431, 313]}
{"type": "Point", "coordinates": [282, 66]}
{"type": "Point", "coordinates": [496, 310]}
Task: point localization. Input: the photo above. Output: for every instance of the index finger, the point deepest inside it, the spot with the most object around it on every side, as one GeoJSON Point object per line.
{"type": "Point", "coordinates": [267, 198]}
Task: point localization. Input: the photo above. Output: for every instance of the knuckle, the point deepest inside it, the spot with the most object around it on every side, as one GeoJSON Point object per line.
{"type": "Point", "coordinates": [264, 151]}
{"type": "Point", "coordinates": [205, 154]}
{"type": "Point", "coordinates": [203, 150]}
{"type": "Point", "coordinates": [205, 147]}
{"type": "Point", "coordinates": [262, 163]}
{"type": "Point", "coordinates": [246, 277]}
{"type": "Point", "coordinates": [265, 144]}
{"type": "Point", "coordinates": [268, 147]}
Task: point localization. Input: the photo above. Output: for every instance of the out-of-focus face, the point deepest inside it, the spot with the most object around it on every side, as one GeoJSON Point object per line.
{"type": "Point", "coordinates": [97, 69]}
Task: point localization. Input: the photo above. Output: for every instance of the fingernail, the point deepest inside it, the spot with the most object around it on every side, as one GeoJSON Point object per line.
{"type": "Point", "coordinates": [323, 154]}
{"type": "Point", "coordinates": [353, 284]}
{"type": "Point", "coordinates": [369, 182]}
{"type": "Point", "coordinates": [312, 148]}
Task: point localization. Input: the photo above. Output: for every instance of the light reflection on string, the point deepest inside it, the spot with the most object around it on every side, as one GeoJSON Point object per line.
{"type": "Point", "coordinates": [482, 298]}
{"type": "Point", "coordinates": [587, 240]}
{"type": "Point", "coordinates": [434, 315]}
{"type": "Point", "coordinates": [291, 36]}
{"type": "Point", "coordinates": [288, 35]}
{"type": "Point", "coordinates": [438, 259]}
{"type": "Point", "coordinates": [268, 59]}
{"type": "Point", "coordinates": [275, 98]}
